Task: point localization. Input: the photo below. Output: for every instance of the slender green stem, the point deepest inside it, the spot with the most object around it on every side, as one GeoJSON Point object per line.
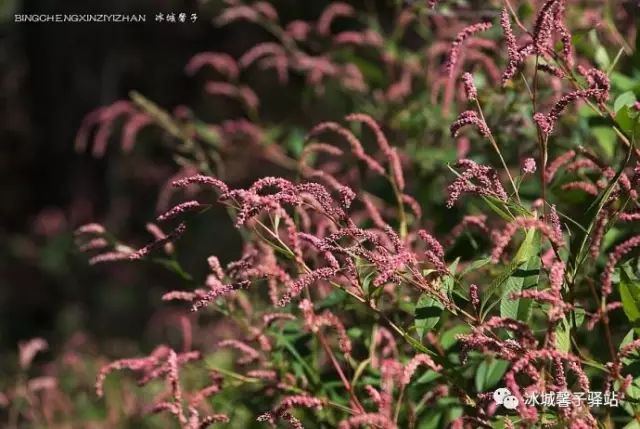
{"type": "Point", "coordinates": [499, 152]}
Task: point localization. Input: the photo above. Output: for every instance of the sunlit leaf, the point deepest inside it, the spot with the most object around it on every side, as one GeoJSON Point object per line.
{"type": "Point", "coordinates": [427, 313]}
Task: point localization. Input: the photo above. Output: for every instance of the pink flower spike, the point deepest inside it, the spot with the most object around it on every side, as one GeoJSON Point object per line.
{"type": "Point", "coordinates": [29, 349]}
{"type": "Point", "coordinates": [202, 180]}
{"type": "Point", "coordinates": [306, 280]}
{"type": "Point", "coordinates": [368, 420]}
{"type": "Point", "coordinates": [614, 257]}
{"type": "Point", "coordinates": [90, 229]}
{"type": "Point", "coordinates": [547, 122]}
{"type": "Point", "coordinates": [220, 62]}
{"type": "Point", "coordinates": [421, 359]}
{"type": "Point", "coordinates": [249, 354]}
{"type": "Point", "coordinates": [434, 253]}
{"type": "Point", "coordinates": [469, 117]}
{"type": "Point", "coordinates": [466, 32]}
{"type": "Point", "coordinates": [474, 296]}
{"type": "Point", "coordinates": [529, 166]}
{"type": "Point", "coordinates": [383, 144]}
{"type": "Point", "coordinates": [490, 184]}
{"type": "Point", "coordinates": [179, 209]}
{"type": "Point", "coordinates": [469, 87]}
{"type": "Point", "coordinates": [555, 165]}
{"type": "Point", "coordinates": [331, 12]}
{"type": "Point", "coordinates": [268, 49]}
{"type": "Point", "coordinates": [356, 146]}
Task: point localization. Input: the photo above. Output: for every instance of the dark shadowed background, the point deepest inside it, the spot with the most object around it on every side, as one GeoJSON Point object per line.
{"type": "Point", "coordinates": [51, 76]}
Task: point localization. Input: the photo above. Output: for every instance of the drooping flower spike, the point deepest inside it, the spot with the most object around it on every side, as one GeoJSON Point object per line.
{"type": "Point", "coordinates": [464, 34]}
{"type": "Point", "coordinates": [490, 184]}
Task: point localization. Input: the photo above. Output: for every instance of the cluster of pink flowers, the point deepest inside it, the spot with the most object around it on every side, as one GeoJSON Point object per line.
{"type": "Point", "coordinates": [546, 122]}
{"type": "Point", "coordinates": [469, 86]}
{"type": "Point", "coordinates": [470, 117]}
{"type": "Point", "coordinates": [164, 363]}
{"type": "Point", "coordinates": [487, 178]}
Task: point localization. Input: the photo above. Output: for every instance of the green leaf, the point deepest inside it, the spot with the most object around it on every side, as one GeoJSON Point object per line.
{"type": "Point", "coordinates": [622, 82]}
{"type": "Point", "coordinates": [454, 266]}
{"type": "Point", "coordinates": [527, 250]}
{"type": "Point", "coordinates": [505, 209]}
{"type": "Point", "coordinates": [626, 118]}
{"type": "Point", "coordinates": [450, 336]}
{"type": "Point", "coordinates": [489, 373]}
{"type": "Point", "coordinates": [606, 138]}
{"type": "Point", "coordinates": [475, 265]}
{"type": "Point", "coordinates": [630, 296]}
{"type": "Point", "coordinates": [563, 336]}
{"type": "Point", "coordinates": [529, 247]}
{"type": "Point", "coordinates": [427, 314]}
{"type": "Point", "coordinates": [449, 281]}
{"type": "Point", "coordinates": [579, 314]}
{"type": "Point", "coordinates": [207, 133]}
{"type": "Point", "coordinates": [335, 298]}
{"type": "Point", "coordinates": [523, 278]}
{"type": "Point", "coordinates": [431, 420]}
{"type": "Point", "coordinates": [295, 141]}
{"type": "Point", "coordinates": [624, 99]}
{"type": "Point", "coordinates": [602, 57]}
{"type": "Point", "coordinates": [627, 339]}
{"type": "Point", "coordinates": [498, 208]}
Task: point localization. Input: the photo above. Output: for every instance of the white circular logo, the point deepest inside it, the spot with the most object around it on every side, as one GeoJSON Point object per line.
{"type": "Point", "coordinates": [510, 402]}
{"type": "Point", "coordinates": [503, 396]}
{"type": "Point", "coordinates": [500, 394]}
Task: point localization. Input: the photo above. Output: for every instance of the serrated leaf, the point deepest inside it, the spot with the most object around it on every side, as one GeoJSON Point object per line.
{"type": "Point", "coordinates": [427, 314]}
